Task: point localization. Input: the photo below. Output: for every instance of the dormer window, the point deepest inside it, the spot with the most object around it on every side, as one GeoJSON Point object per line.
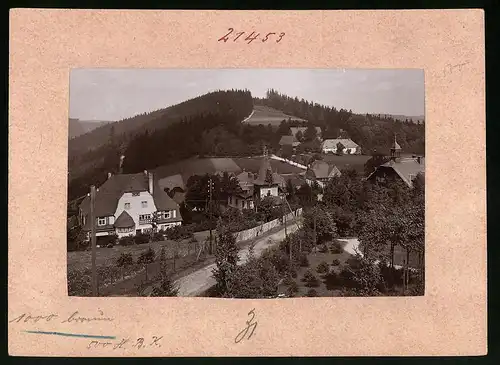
{"type": "Point", "coordinates": [127, 206]}
{"type": "Point", "coordinates": [101, 221]}
{"type": "Point", "coordinates": [167, 215]}
{"type": "Point", "coordinates": [144, 204]}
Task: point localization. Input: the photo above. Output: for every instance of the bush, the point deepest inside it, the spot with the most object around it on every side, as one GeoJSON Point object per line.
{"type": "Point", "coordinates": [336, 247]}
{"type": "Point", "coordinates": [126, 241]}
{"type": "Point", "coordinates": [336, 262]}
{"type": "Point", "coordinates": [288, 281]}
{"type": "Point", "coordinates": [304, 261]}
{"type": "Point", "coordinates": [310, 280]}
{"type": "Point", "coordinates": [179, 232]}
{"type": "Point", "coordinates": [312, 293]}
{"type": "Point", "coordinates": [146, 257]}
{"type": "Point", "coordinates": [107, 241]}
{"type": "Point", "coordinates": [323, 268]}
{"type": "Point", "coordinates": [125, 259]}
{"type": "Point", "coordinates": [323, 248]}
{"type": "Point", "coordinates": [158, 236]}
{"type": "Point", "coordinates": [141, 238]}
{"type": "Point", "coordinates": [293, 273]}
{"type": "Point", "coordinates": [292, 289]}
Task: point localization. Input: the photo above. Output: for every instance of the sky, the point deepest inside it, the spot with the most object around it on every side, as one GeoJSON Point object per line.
{"type": "Point", "coordinates": [114, 94]}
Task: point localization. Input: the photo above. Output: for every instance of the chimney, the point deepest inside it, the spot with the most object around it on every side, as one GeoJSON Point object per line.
{"type": "Point", "coordinates": [150, 183]}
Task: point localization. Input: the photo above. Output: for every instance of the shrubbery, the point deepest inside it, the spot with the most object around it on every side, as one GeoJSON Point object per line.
{"type": "Point", "coordinates": [310, 280]}
{"type": "Point", "coordinates": [312, 293]}
{"type": "Point", "coordinates": [336, 247]}
{"type": "Point", "coordinates": [141, 238]}
{"type": "Point", "coordinates": [323, 268]}
{"type": "Point", "coordinates": [126, 241]}
{"type": "Point", "coordinates": [323, 248]}
{"type": "Point", "coordinates": [336, 262]}
{"type": "Point", "coordinates": [179, 232]}
{"type": "Point", "coordinates": [125, 259]}
{"type": "Point", "coordinates": [147, 256]}
{"type": "Point", "coordinates": [304, 261]}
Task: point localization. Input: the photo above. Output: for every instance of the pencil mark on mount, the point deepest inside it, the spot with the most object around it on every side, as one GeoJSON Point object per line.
{"type": "Point", "coordinates": [449, 68]}
{"type": "Point", "coordinates": [65, 334]}
{"type": "Point", "coordinates": [250, 325]}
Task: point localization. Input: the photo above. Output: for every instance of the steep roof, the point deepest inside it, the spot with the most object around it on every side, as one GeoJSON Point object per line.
{"type": "Point", "coordinates": [263, 171]}
{"type": "Point", "coordinates": [332, 143]}
{"type": "Point", "coordinates": [287, 140]}
{"type": "Point", "coordinates": [406, 168]}
{"type": "Point", "coordinates": [323, 170]}
{"type": "Point", "coordinates": [111, 191]}
{"type": "Point", "coordinates": [124, 220]}
{"type": "Point", "coordinates": [245, 180]}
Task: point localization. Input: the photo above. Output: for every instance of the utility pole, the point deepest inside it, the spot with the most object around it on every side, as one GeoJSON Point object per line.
{"type": "Point", "coordinates": [93, 238]}
{"type": "Point", "coordinates": [210, 187]}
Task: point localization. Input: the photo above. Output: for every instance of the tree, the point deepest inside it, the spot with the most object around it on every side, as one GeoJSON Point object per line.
{"type": "Point", "coordinates": [340, 149]}
{"type": "Point", "coordinates": [320, 223]}
{"type": "Point", "coordinates": [269, 177]}
{"type": "Point", "coordinates": [258, 278]}
{"type": "Point", "coordinates": [76, 238]}
{"type": "Point", "coordinates": [167, 288]}
{"type": "Point", "coordinates": [226, 258]}
{"type": "Point", "coordinates": [299, 136]}
{"type": "Point", "coordinates": [265, 207]}
{"type": "Point", "coordinates": [310, 133]}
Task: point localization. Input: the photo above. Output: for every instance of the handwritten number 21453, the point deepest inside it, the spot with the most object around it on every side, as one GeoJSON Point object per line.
{"type": "Point", "coordinates": [251, 37]}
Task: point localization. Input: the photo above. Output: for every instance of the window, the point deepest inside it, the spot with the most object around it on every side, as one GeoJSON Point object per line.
{"type": "Point", "coordinates": [173, 213]}
{"type": "Point", "coordinates": [127, 206]}
{"type": "Point", "coordinates": [136, 194]}
{"type": "Point", "coordinates": [101, 221]}
{"type": "Point", "coordinates": [166, 215]}
{"type": "Point", "coordinates": [144, 217]}
{"type": "Point", "coordinates": [144, 204]}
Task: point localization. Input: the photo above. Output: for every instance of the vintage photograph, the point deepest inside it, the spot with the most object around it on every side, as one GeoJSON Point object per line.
{"type": "Point", "coordinates": [246, 183]}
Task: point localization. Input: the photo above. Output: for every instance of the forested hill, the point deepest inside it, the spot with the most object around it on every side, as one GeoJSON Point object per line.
{"type": "Point", "coordinates": [367, 130]}
{"type": "Point", "coordinates": [126, 128]}
{"type": "Point", "coordinates": [152, 139]}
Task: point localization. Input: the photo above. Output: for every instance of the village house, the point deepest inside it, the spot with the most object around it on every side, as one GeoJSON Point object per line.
{"type": "Point", "coordinates": [350, 147]}
{"type": "Point", "coordinates": [289, 141]}
{"type": "Point", "coordinates": [256, 187]}
{"type": "Point", "coordinates": [128, 204]}
{"type": "Point", "coordinates": [321, 172]}
{"type": "Point", "coordinates": [404, 168]}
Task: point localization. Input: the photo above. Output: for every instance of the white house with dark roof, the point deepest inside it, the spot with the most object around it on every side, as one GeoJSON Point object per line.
{"type": "Point", "coordinates": [350, 147]}
{"type": "Point", "coordinates": [321, 172]}
{"type": "Point", "coordinates": [265, 183]}
{"type": "Point", "coordinates": [126, 205]}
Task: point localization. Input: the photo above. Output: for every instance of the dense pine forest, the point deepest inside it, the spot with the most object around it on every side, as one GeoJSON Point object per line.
{"type": "Point", "coordinates": [210, 125]}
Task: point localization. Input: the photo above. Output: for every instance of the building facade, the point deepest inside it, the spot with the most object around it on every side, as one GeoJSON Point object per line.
{"type": "Point", "coordinates": [129, 204]}
{"type": "Point", "coordinates": [350, 147]}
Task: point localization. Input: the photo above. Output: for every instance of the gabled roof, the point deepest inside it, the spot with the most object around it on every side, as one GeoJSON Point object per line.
{"type": "Point", "coordinates": [111, 191]}
{"type": "Point", "coordinates": [406, 168]}
{"type": "Point", "coordinates": [323, 170]}
{"type": "Point", "coordinates": [124, 220]}
{"type": "Point", "coordinates": [264, 168]}
{"type": "Point", "coordinates": [332, 143]}
{"type": "Point", "coordinates": [287, 140]}
{"type": "Point", "coordinates": [245, 180]}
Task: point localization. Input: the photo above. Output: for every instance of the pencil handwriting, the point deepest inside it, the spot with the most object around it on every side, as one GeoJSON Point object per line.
{"type": "Point", "coordinates": [250, 324]}
{"type": "Point", "coordinates": [251, 36]}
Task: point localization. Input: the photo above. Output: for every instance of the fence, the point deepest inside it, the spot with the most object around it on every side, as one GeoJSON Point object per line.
{"type": "Point", "coordinates": [259, 230]}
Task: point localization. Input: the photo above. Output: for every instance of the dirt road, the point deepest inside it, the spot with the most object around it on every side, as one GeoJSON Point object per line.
{"type": "Point", "coordinates": [201, 280]}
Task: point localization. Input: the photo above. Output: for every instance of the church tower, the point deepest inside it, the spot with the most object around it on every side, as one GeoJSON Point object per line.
{"type": "Point", "coordinates": [395, 150]}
